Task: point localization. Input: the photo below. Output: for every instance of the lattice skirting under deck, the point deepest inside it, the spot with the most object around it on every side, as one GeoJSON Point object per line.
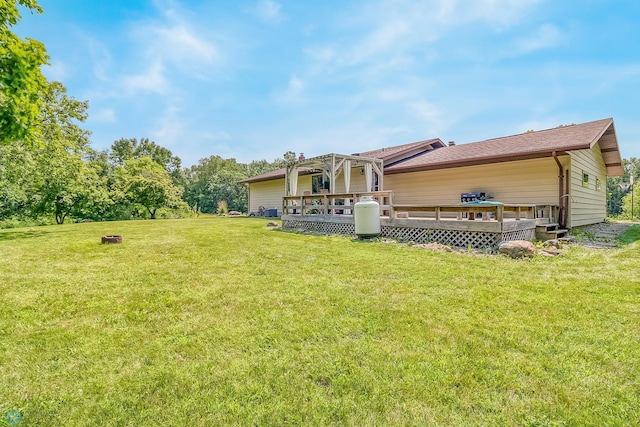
{"type": "Point", "coordinates": [475, 239]}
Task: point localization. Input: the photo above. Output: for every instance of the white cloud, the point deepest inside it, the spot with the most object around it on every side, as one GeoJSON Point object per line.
{"type": "Point", "coordinates": [152, 80]}
{"type": "Point", "coordinates": [320, 54]}
{"type": "Point", "coordinates": [293, 94]}
{"type": "Point", "coordinates": [216, 136]}
{"type": "Point", "coordinates": [100, 58]}
{"type": "Point", "coordinates": [391, 29]}
{"type": "Point", "coordinates": [500, 13]}
{"type": "Point", "coordinates": [545, 36]}
{"type": "Point", "coordinates": [427, 114]}
{"type": "Point", "coordinates": [180, 44]}
{"type": "Point", "coordinates": [175, 46]}
{"type": "Point", "coordinates": [268, 11]}
{"type": "Point", "coordinates": [104, 115]}
{"type": "Point", "coordinates": [57, 71]}
{"type": "Point", "coordinates": [388, 37]}
{"type": "Point", "coordinates": [170, 128]}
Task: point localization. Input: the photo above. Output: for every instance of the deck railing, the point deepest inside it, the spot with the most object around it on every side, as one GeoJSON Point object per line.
{"type": "Point", "coordinates": [342, 205]}
{"type": "Point", "coordinates": [486, 212]}
{"type": "Point", "coordinates": [333, 204]}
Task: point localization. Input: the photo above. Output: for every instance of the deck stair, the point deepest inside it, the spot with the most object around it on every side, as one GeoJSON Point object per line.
{"type": "Point", "coordinates": [550, 231]}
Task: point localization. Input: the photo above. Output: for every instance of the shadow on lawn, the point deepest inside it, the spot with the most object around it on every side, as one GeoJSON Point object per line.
{"type": "Point", "coordinates": [27, 233]}
{"type": "Point", "coordinates": [630, 235]}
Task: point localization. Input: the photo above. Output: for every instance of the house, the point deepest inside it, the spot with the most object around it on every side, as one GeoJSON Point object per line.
{"type": "Point", "coordinates": [561, 171]}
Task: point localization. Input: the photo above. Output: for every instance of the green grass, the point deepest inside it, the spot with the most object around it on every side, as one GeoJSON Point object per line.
{"type": "Point", "coordinates": [219, 321]}
{"type": "Point", "coordinates": [631, 235]}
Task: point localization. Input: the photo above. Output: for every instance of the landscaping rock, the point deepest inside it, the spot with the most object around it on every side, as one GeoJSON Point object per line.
{"type": "Point", "coordinates": [517, 248]}
{"type": "Point", "coordinates": [551, 252]}
{"type": "Point", "coordinates": [435, 247]}
{"type": "Point", "coordinates": [272, 224]}
{"type": "Point", "coordinates": [235, 213]}
{"type": "Point", "coordinates": [553, 243]}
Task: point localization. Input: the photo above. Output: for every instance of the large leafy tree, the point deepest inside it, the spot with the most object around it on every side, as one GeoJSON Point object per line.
{"type": "Point", "coordinates": [65, 183]}
{"type": "Point", "coordinates": [143, 182]}
{"type": "Point", "coordinates": [215, 179]}
{"type": "Point", "coordinates": [21, 80]}
{"type": "Point", "coordinates": [126, 149]}
{"type": "Point", "coordinates": [17, 166]}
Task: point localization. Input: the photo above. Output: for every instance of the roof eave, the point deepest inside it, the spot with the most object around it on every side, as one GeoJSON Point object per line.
{"type": "Point", "coordinates": [478, 161]}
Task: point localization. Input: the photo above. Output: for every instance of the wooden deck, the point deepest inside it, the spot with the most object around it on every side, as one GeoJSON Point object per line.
{"type": "Point", "coordinates": [478, 225]}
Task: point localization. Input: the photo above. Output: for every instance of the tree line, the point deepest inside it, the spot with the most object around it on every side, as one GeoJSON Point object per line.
{"type": "Point", "coordinates": [49, 171]}
{"type": "Point", "coordinates": [64, 178]}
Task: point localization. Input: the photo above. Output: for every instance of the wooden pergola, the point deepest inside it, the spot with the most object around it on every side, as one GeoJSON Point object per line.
{"type": "Point", "coordinates": [333, 166]}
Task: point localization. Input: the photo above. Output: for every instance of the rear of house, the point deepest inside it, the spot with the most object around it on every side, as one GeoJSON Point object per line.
{"type": "Point", "coordinates": [565, 167]}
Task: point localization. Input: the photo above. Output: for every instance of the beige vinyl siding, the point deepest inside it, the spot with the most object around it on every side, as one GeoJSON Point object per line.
{"type": "Point", "coordinates": [269, 194]}
{"type": "Point", "coordinates": [588, 205]}
{"type": "Point", "coordinates": [526, 181]}
{"type": "Point", "coordinates": [357, 184]}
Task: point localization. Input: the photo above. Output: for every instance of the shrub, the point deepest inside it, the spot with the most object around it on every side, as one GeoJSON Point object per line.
{"type": "Point", "coordinates": [223, 208]}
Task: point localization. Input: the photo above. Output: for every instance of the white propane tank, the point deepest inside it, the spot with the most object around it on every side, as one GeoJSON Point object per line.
{"type": "Point", "coordinates": [367, 217]}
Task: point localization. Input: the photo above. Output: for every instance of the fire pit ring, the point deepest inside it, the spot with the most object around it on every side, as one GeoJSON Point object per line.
{"type": "Point", "coordinates": [116, 238]}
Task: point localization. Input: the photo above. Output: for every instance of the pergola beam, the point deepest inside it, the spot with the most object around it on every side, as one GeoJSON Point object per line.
{"type": "Point", "coordinates": [331, 165]}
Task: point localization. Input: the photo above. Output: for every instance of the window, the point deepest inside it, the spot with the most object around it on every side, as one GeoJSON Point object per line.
{"type": "Point", "coordinates": [598, 184]}
{"type": "Point", "coordinates": [319, 182]}
{"type": "Point", "coordinates": [585, 179]}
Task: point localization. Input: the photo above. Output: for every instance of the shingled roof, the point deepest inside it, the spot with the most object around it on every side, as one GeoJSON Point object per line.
{"type": "Point", "coordinates": [529, 145]}
{"type": "Point", "coordinates": [389, 155]}
{"type": "Point", "coordinates": [276, 174]}
{"type": "Point", "coordinates": [400, 153]}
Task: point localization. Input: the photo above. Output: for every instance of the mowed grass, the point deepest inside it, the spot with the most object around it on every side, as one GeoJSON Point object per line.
{"type": "Point", "coordinates": [220, 321]}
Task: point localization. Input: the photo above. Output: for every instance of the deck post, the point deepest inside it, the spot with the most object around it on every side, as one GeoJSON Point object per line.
{"type": "Point", "coordinates": [500, 213]}
{"type": "Point", "coordinates": [437, 210]}
{"type": "Point", "coordinates": [325, 201]}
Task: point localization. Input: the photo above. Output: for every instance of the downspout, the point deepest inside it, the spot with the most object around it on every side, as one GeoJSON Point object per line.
{"type": "Point", "coordinates": [561, 203]}
{"type": "Point", "coordinates": [248, 199]}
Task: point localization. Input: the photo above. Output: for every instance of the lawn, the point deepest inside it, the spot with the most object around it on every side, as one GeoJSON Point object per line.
{"type": "Point", "coordinates": [220, 321]}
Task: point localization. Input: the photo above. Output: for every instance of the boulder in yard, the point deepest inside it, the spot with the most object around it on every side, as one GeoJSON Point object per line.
{"type": "Point", "coordinates": [551, 252]}
{"type": "Point", "coordinates": [272, 224]}
{"type": "Point", "coordinates": [553, 243]}
{"type": "Point", "coordinates": [517, 248]}
{"type": "Point", "coordinates": [234, 213]}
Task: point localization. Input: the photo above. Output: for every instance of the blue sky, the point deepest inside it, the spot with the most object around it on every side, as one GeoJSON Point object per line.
{"type": "Point", "coordinates": [253, 79]}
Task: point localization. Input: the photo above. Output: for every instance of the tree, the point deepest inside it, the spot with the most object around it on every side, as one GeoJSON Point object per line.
{"type": "Point", "coordinates": [64, 183]}
{"type": "Point", "coordinates": [214, 180]}
{"type": "Point", "coordinates": [17, 166]}
{"type": "Point", "coordinates": [615, 193]}
{"type": "Point", "coordinates": [21, 80]}
{"type": "Point", "coordinates": [144, 182]}
{"type": "Point", "coordinates": [126, 149]}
